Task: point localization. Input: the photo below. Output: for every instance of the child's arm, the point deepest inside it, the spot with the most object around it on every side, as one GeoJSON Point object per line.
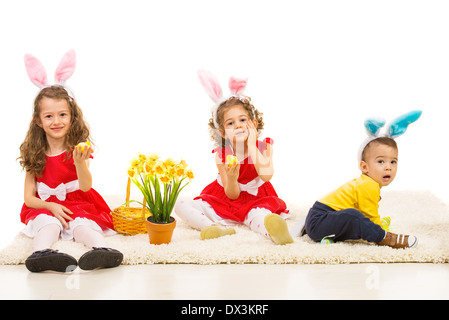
{"type": "Point", "coordinates": [81, 161]}
{"type": "Point", "coordinates": [31, 201]}
{"type": "Point", "coordinates": [229, 177]}
{"type": "Point", "coordinates": [263, 162]}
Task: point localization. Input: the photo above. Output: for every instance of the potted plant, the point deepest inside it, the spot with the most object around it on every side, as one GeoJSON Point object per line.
{"type": "Point", "coordinates": [160, 183]}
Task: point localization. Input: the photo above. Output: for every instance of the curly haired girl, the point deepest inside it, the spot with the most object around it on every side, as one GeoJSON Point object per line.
{"type": "Point", "coordinates": [242, 192]}
{"type": "Point", "coordinates": [35, 145]}
{"type": "Point", "coordinates": [59, 198]}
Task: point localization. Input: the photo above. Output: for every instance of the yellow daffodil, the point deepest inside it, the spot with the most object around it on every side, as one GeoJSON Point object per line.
{"type": "Point", "coordinates": [159, 169]}
{"type": "Point", "coordinates": [182, 164]}
{"type": "Point", "coordinates": [153, 157]}
{"type": "Point", "coordinates": [168, 163]}
{"type": "Point", "coordinates": [160, 182]}
{"type": "Point", "coordinates": [164, 179]}
{"type": "Point", "coordinates": [180, 172]}
{"type": "Point", "coordinates": [148, 168]}
{"type": "Point", "coordinates": [135, 163]}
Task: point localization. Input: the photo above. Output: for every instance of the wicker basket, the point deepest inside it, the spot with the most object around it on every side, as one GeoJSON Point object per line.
{"type": "Point", "coordinates": [130, 220]}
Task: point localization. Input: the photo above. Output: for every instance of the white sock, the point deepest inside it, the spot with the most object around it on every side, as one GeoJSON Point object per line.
{"type": "Point", "coordinates": [295, 231]}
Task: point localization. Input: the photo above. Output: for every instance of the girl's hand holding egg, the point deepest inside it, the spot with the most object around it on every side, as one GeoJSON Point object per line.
{"type": "Point", "coordinates": [82, 151]}
{"type": "Point", "coordinates": [231, 160]}
{"type": "Point", "coordinates": [83, 145]}
{"type": "Point", "coordinates": [232, 167]}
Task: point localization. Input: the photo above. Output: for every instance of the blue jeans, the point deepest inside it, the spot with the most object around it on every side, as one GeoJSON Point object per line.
{"type": "Point", "coordinates": [348, 224]}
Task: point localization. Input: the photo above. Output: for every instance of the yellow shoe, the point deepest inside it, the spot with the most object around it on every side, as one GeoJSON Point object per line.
{"type": "Point", "coordinates": [277, 229]}
{"type": "Point", "coordinates": [214, 231]}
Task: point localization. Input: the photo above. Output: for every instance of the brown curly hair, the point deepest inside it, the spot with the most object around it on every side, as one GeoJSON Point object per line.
{"type": "Point", "coordinates": [35, 145]}
{"type": "Point", "coordinates": [245, 102]}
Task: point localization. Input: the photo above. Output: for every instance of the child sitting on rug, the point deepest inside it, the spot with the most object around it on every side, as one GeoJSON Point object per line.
{"type": "Point", "coordinates": [242, 192]}
{"type": "Point", "coordinates": [59, 199]}
{"type": "Point", "coordinates": [351, 211]}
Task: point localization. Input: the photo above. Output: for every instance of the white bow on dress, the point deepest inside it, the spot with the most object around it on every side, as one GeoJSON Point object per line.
{"type": "Point", "coordinates": [60, 191]}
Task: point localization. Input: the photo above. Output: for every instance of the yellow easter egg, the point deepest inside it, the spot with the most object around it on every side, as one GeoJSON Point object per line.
{"type": "Point", "coordinates": [231, 159]}
{"type": "Point", "coordinates": [84, 145]}
{"type": "Point", "coordinates": [327, 239]}
{"type": "Point", "coordinates": [385, 223]}
{"type": "Point", "coordinates": [386, 220]}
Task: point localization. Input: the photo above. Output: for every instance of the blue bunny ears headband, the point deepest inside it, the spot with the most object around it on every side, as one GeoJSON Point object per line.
{"type": "Point", "coordinates": [396, 128]}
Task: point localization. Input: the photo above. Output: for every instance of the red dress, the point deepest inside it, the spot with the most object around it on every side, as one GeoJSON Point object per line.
{"type": "Point", "coordinates": [88, 204]}
{"type": "Point", "coordinates": [264, 196]}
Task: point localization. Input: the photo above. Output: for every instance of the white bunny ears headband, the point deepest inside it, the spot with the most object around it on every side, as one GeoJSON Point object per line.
{"type": "Point", "coordinates": [38, 75]}
{"type": "Point", "coordinates": [213, 89]}
{"type": "Point", "coordinates": [396, 128]}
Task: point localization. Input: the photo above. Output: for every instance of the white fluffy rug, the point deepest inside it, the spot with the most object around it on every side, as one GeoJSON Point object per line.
{"type": "Point", "coordinates": [417, 213]}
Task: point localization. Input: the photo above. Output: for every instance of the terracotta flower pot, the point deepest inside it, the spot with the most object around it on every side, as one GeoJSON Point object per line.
{"type": "Point", "coordinates": [160, 233]}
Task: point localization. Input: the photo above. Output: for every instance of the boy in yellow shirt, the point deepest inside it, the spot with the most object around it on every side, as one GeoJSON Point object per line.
{"type": "Point", "coordinates": [351, 211]}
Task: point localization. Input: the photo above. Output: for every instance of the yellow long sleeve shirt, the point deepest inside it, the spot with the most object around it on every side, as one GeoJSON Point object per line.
{"type": "Point", "coordinates": [362, 194]}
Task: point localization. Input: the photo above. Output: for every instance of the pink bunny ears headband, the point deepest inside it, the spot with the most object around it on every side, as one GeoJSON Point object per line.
{"type": "Point", "coordinates": [396, 128]}
{"type": "Point", "coordinates": [38, 75]}
{"type": "Point", "coordinates": [213, 89]}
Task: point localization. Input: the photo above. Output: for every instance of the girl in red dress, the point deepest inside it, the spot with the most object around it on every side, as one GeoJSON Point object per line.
{"type": "Point", "coordinates": [242, 192]}
{"type": "Point", "coordinates": [59, 199]}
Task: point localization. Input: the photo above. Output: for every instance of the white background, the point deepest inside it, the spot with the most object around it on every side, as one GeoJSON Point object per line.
{"type": "Point", "coordinates": [316, 70]}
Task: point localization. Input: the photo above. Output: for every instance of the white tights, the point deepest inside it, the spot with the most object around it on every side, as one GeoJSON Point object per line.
{"type": "Point", "coordinates": [199, 214]}
{"type": "Point", "coordinates": [49, 234]}
{"type": "Point", "coordinates": [46, 236]}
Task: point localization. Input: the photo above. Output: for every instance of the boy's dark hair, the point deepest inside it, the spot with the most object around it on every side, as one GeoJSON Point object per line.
{"type": "Point", "coordinates": [382, 140]}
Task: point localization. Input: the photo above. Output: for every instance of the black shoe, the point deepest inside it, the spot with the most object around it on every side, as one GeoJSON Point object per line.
{"type": "Point", "coordinates": [50, 260]}
{"type": "Point", "coordinates": [100, 258]}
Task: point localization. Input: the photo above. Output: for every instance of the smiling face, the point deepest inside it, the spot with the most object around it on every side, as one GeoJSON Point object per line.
{"type": "Point", "coordinates": [380, 163]}
{"type": "Point", "coordinates": [54, 118]}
